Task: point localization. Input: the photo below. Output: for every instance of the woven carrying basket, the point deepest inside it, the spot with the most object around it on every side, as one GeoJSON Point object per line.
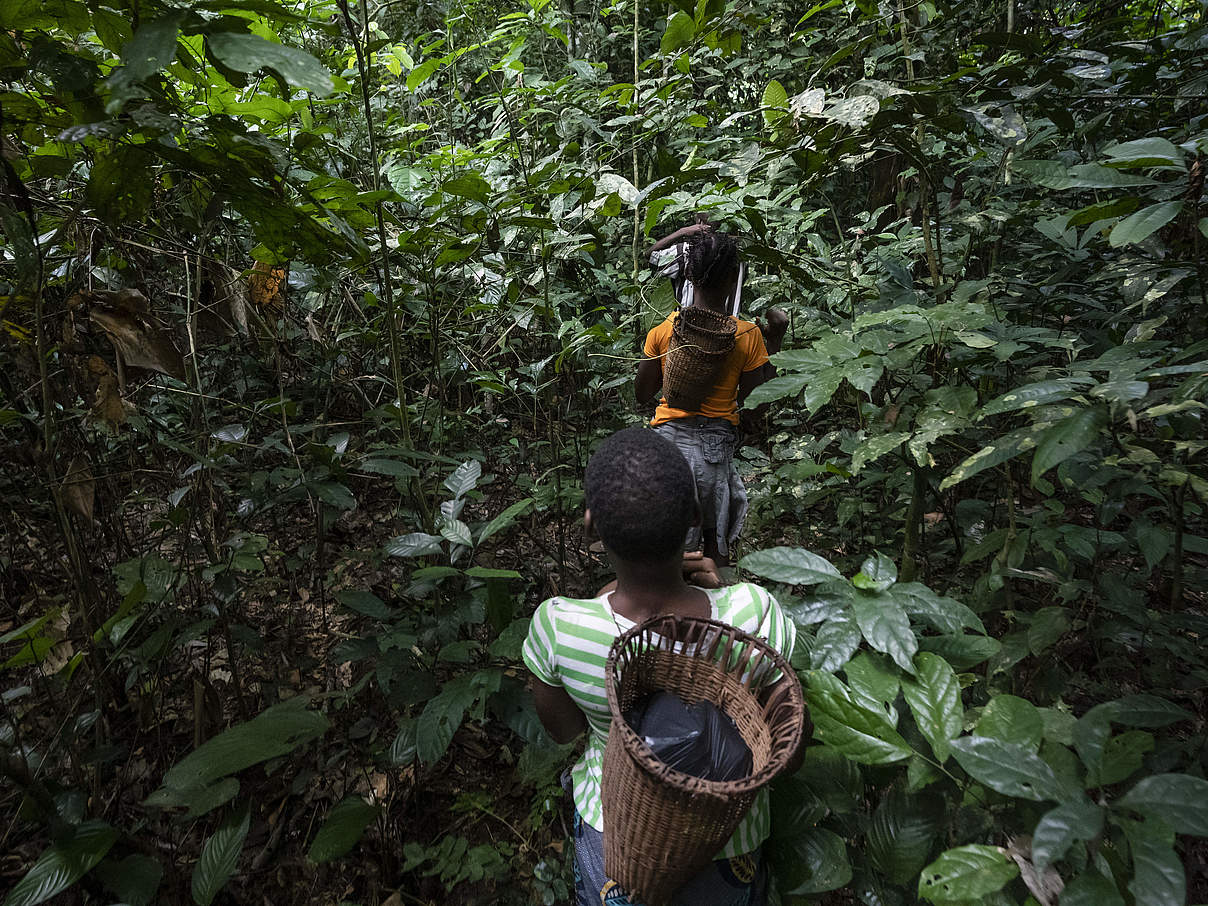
{"type": "Point", "coordinates": [662, 826]}
{"type": "Point", "coordinates": [701, 340]}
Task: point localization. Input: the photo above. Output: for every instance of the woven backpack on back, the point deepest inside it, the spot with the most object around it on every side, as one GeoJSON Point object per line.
{"type": "Point", "coordinates": [701, 340]}
{"type": "Point", "coordinates": [662, 826]}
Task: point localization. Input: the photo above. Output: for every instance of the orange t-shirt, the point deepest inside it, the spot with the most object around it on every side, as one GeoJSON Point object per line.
{"type": "Point", "coordinates": [749, 353]}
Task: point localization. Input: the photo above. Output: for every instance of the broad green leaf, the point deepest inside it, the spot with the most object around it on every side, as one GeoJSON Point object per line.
{"type": "Point", "coordinates": [853, 112]}
{"type": "Point", "coordinates": [276, 731]}
{"type": "Point", "coordinates": [996, 453]}
{"type": "Point", "coordinates": [901, 835]}
{"type": "Point", "coordinates": [942, 614]}
{"type": "Point", "coordinates": [1141, 225]}
{"type": "Point", "coordinates": [1091, 889]}
{"type": "Point", "coordinates": [1063, 439]}
{"type": "Point", "coordinates": [134, 880]}
{"type": "Point", "coordinates": [608, 183]}
{"type": "Point", "coordinates": [457, 532]}
{"type": "Point", "coordinates": [1123, 755]}
{"type": "Point", "coordinates": [933, 694]}
{"type": "Point", "coordinates": [811, 861]}
{"type": "Point", "coordinates": [679, 33]}
{"type": "Point", "coordinates": [1031, 395]}
{"type": "Point", "coordinates": [886, 628]}
{"type": "Point", "coordinates": [219, 856]}
{"type": "Point", "coordinates": [1054, 175]}
{"type": "Point", "coordinates": [403, 750]}
{"type": "Point", "coordinates": [473, 186]}
{"type": "Point", "coordinates": [1178, 799]}
{"type": "Point", "coordinates": [863, 735]}
{"type": "Point", "coordinates": [1011, 719]}
{"type": "Point", "coordinates": [249, 53]}
{"type": "Point", "coordinates": [876, 573]}
{"type": "Point", "coordinates": [345, 824]}
{"type": "Point", "coordinates": [966, 873]}
{"type": "Point", "coordinates": [775, 104]}
{"type": "Point", "coordinates": [777, 388]}
{"type": "Point", "coordinates": [416, 544]}
{"type": "Point", "coordinates": [151, 49]}
{"type": "Point", "coordinates": [1009, 768]}
{"type": "Point", "coordinates": [1144, 710]}
{"type": "Point", "coordinates": [1158, 875]}
{"type": "Point", "coordinates": [422, 72]}
{"type": "Point", "coordinates": [819, 605]}
{"type": "Point", "coordinates": [874, 448]}
{"type": "Point", "coordinates": [1145, 152]}
{"type": "Point", "coordinates": [791, 565]}
{"type": "Point", "coordinates": [464, 478]}
{"type": "Point", "coordinates": [835, 643]}
{"type": "Point", "coordinates": [443, 714]}
{"type": "Point", "coordinates": [1060, 827]}
{"type": "Point", "coordinates": [365, 602]}
{"type": "Point", "coordinates": [873, 677]}
{"type": "Point", "coordinates": [505, 519]}
{"type": "Point", "coordinates": [963, 652]}
{"type": "Point", "coordinates": [334, 494]}
{"type": "Point", "coordinates": [63, 864]}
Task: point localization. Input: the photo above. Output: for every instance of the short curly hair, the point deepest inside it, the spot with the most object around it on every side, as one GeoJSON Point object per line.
{"type": "Point", "coordinates": [641, 494]}
{"type": "Point", "coordinates": [712, 259]}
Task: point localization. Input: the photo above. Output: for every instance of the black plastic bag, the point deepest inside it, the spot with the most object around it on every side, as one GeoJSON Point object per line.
{"type": "Point", "coordinates": [700, 740]}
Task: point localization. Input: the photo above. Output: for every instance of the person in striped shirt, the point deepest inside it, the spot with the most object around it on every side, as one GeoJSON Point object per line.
{"type": "Point", "coordinates": [640, 502]}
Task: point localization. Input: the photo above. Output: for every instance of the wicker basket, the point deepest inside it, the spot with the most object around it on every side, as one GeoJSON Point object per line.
{"type": "Point", "coordinates": [701, 340]}
{"type": "Point", "coordinates": [662, 826]}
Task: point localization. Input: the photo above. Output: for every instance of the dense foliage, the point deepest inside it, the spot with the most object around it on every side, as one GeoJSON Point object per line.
{"type": "Point", "coordinates": [313, 312]}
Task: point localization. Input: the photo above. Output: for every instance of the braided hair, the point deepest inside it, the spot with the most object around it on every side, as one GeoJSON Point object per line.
{"type": "Point", "coordinates": [712, 259]}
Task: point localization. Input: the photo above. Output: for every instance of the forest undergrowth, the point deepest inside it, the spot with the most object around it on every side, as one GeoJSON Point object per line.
{"type": "Point", "coordinates": [311, 315]}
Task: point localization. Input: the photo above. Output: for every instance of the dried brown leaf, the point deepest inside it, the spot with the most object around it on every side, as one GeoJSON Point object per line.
{"type": "Point", "coordinates": [142, 346]}
{"type": "Point", "coordinates": [78, 491]}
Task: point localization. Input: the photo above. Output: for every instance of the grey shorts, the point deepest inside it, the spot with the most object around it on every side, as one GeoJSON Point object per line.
{"type": "Point", "coordinates": [709, 444]}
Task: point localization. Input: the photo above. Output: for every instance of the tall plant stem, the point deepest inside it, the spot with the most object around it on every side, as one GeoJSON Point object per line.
{"type": "Point", "coordinates": [637, 24]}
{"type": "Point", "coordinates": [396, 368]}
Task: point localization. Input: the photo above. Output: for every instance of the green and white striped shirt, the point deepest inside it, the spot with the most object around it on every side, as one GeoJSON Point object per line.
{"type": "Point", "coordinates": [568, 645]}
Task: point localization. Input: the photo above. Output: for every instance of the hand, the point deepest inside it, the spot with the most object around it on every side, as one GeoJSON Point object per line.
{"type": "Point", "coordinates": [700, 570]}
{"type": "Point", "coordinates": [778, 322]}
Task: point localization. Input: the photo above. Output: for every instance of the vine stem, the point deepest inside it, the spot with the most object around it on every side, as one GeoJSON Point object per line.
{"type": "Point", "coordinates": [396, 372]}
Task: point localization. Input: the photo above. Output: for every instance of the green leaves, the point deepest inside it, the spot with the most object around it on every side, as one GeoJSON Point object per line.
{"type": "Point", "coordinates": [219, 856]}
{"type": "Point", "coordinates": [1158, 875]}
{"type": "Point", "coordinates": [63, 864]}
{"type": "Point", "coordinates": [1009, 768]}
{"type": "Point", "coordinates": [1063, 439]}
{"type": "Point", "coordinates": [249, 53]}
{"type": "Point", "coordinates": [966, 873]}
{"type": "Point", "coordinates": [1139, 226]}
{"type": "Point", "coordinates": [862, 734]}
{"type": "Point", "coordinates": [276, 731]}
{"type": "Point", "coordinates": [791, 565]}
{"type": "Point", "coordinates": [1061, 826]}
{"type": "Point", "coordinates": [1178, 799]}
{"type": "Point", "coordinates": [443, 714]}
{"type": "Point", "coordinates": [902, 833]}
{"type": "Point", "coordinates": [886, 628]}
{"type": "Point", "coordinates": [775, 105]}
{"type": "Point", "coordinates": [416, 544]}
{"type": "Point", "coordinates": [151, 49]}
{"type": "Point", "coordinates": [810, 862]}
{"type": "Point", "coordinates": [681, 29]}
{"type": "Point", "coordinates": [345, 825]}
{"type": "Point", "coordinates": [933, 694]}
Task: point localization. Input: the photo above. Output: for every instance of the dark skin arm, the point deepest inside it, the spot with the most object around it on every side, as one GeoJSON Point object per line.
{"type": "Point", "coordinates": [773, 337]}
{"type": "Point", "coordinates": [679, 235]}
{"type": "Point", "coordinates": [559, 714]}
{"type": "Point", "coordinates": [648, 380]}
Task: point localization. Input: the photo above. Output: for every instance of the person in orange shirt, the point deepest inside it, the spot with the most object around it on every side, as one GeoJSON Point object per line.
{"type": "Point", "coordinates": [708, 437]}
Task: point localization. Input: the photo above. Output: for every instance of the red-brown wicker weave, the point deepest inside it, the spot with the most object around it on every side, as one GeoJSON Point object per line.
{"type": "Point", "coordinates": [701, 340]}
{"type": "Point", "coordinates": [662, 826]}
